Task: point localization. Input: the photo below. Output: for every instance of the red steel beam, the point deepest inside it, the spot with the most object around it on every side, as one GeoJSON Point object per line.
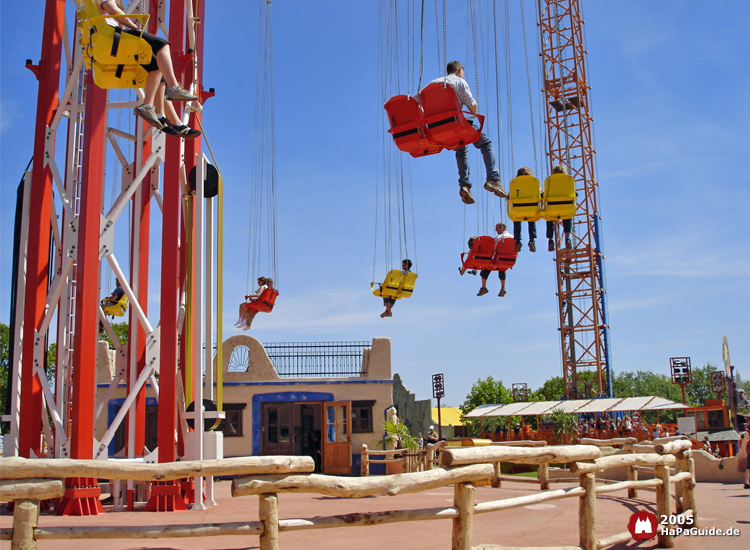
{"type": "Point", "coordinates": [87, 291]}
{"type": "Point", "coordinates": [48, 74]}
{"type": "Point", "coordinates": [170, 264]}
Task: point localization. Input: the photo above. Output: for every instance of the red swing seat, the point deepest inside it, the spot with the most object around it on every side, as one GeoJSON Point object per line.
{"type": "Point", "coordinates": [481, 254]}
{"type": "Point", "coordinates": [265, 302]}
{"type": "Point", "coordinates": [407, 127]}
{"type": "Point", "coordinates": [505, 254]}
{"type": "Point", "coordinates": [486, 254]}
{"type": "Point", "coordinates": [445, 123]}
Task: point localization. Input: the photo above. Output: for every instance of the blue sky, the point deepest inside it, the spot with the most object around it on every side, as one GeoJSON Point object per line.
{"type": "Point", "coordinates": [671, 105]}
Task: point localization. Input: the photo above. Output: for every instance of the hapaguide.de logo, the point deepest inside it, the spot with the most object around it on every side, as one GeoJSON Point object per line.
{"type": "Point", "coordinates": [642, 525]}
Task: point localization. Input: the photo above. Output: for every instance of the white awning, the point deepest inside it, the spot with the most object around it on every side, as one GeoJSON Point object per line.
{"type": "Point", "coordinates": [482, 410]}
{"type": "Point", "coordinates": [660, 403]}
{"type": "Point", "coordinates": [511, 409]}
{"type": "Point", "coordinates": [600, 405]}
{"type": "Point", "coordinates": [576, 406]}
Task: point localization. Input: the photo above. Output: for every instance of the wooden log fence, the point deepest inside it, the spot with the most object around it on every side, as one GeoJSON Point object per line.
{"type": "Point", "coordinates": [26, 482]}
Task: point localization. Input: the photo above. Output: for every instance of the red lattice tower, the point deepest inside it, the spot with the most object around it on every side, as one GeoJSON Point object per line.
{"type": "Point", "coordinates": [582, 307]}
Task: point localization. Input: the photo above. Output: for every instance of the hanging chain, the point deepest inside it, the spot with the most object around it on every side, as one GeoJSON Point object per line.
{"type": "Point", "coordinates": [528, 84]}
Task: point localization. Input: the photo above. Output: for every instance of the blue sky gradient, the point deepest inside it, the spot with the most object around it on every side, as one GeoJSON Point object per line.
{"type": "Point", "coordinates": [671, 106]}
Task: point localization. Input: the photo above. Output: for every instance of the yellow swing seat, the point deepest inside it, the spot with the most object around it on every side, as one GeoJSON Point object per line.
{"type": "Point", "coordinates": [524, 201]}
{"type": "Point", "coordinates": [117, 309]}
{"type": "Point", "coordinates": [396, 285]}
{"type": "Point", "coordinates": [114, 57]}
{"type": "Point", "coordinates": [559, 198]}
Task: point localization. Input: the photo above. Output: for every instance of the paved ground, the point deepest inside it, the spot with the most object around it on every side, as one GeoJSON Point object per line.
{"type": "Point", "coordinates": [548, 524]}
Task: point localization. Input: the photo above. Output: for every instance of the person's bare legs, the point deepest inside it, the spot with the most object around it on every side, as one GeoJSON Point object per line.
{"type": "Point", "coordinates": [164, 61]}
{"type": "Point", "coordinates": [152, 84]}
{"type": "Point", "coordinates": [163, 107]}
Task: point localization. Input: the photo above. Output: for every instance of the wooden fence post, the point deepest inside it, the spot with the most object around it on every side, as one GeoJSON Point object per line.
{"type": "Point", "coordinates": [25, 519]}
{"type": "Point", "coordinates": [632, 476]}
{"type": "Point", "coordinates": [429, 457]}
{"type": "Point", "coordinates": [269, 515]}
{"type": "Point", "coordinates": [463, 525]}
{"type": "Point", "coordinates": [587, 512]}
{"type": "Point", "coordinates": [688, 490]}
{"type": "Point", "coordinates": [663, 505]}
{"type": "Point", "coordinates": [364, 469]}
{"type": "Point", "coordinates": [496, 478]}
{"type": "Point", "coordinates": [543, 474]}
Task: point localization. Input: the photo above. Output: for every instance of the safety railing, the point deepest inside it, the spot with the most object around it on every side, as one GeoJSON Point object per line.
{"type": "Point", "coordinates": [400, 460]}
{"type": "Point", "coordinates": [268, 477]}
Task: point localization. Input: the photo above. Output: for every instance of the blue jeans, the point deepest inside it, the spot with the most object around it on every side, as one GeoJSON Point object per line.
{"type": "Point", "coordinates": [567, 228]}
{"type": "Point", "coordinates": [517, 231]}
{"type": "Point", "coordinates": [488, 154]}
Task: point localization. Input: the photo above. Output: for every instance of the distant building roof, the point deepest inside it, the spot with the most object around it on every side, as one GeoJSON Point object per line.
{"type": "Point", "coordinates": [449, 416]}
{"type": "Point", "coordinates": [576, 406]}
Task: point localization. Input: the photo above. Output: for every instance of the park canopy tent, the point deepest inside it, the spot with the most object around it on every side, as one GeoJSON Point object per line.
{"type": "Point", "coordinates": [575, 406]}
{"type": "Point", "coordinates": [481, 410]}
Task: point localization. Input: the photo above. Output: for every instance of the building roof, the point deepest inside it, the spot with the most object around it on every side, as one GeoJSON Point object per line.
{"type": "Point", "coordinates": [449, 416]}
{"type": "Point", "coordinates": [577, 406]}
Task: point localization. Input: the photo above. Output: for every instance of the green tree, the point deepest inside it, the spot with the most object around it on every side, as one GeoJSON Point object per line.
{"type": "Point", "coordinates": [564, 426]}
{"type": "Point", "coordinates": [552, 390]}
{"type": "Point", "coordinates": [700, 389]}
{"type": "Point", "coordinates": [121, 330]}
{"type": "Point", "coordinates": [485, 392]}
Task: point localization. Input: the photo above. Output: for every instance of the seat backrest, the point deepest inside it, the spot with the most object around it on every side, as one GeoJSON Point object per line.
{"type": "Point", "coordinates": [505, 254]}
{"type": "Point", "coordinates": [559, 197]}
{"type": "Point", "coordinates": [438, 98]}
{"type": "Point", "coordinates": [445, 123]}
{"type": "Point", "coordinates": [407, 287]}
{"type": "Point", "coordinates": [90, 9]}
{"type": "Point", "coordinates": [407, 126]}
{"type": "Point", "coordinates": [268, 296]}
{"type": "Point", "coordinates": [524, 200]}
{"type": "Point", "coordinates": [403, 109]}
{"type": "Point", "coordinates": [391, 285]}
{"type": "Point", "coordinates": [481, 254]}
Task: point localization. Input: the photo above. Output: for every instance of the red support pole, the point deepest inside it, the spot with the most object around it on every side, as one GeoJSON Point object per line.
{"type": "Point", "coordinates": [82, 494]}
{"type": "Point", "coordinates": [87, 299]}
{"type": "Point", "coordinates": [48, 74]}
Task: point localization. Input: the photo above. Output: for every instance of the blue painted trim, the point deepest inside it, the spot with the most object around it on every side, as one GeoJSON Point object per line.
{"type": "Point", "coordinates": [113, 405]}
{"type": "Point", "coordinates": [308, 383]}
{"type": "Point", "coordinates": [279, 397]}
{"type": "Point", "coordinates": [285, 383]}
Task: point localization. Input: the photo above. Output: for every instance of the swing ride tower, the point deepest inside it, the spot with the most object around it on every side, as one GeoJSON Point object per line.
{"type": "Point", "coordinates": [582, 301]}
{"type": "Point", "coordinates": [67, 242]}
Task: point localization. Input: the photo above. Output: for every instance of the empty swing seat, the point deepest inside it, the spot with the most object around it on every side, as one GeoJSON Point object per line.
{"type": "Point", "coordinates": [481, 254]}
{"type": "Point", "coordinates": [445, 123]}
{"type": "Point", "coordinates": [395, 286]}
{"type": "Point", "coordinates": [559, 198]}
{"type": "Point", "coordinates": [407, 126]}
{"type": "Point", "coordinates": [117, 309]}
{"type": "Point", "coordinates": [114, 57]}
{"type": "Point", "coordinates": [265, 302]}
{"type": "Point", "coordinates": [524, 202]}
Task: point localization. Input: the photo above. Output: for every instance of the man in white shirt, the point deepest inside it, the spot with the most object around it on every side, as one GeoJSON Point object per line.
{"type": "Point", "coordinates": [455, 78]}
{"type": "Point", "coordinates": [502, 233]}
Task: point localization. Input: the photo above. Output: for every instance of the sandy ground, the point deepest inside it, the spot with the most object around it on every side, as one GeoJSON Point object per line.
{"type": "Point", "coordinates": [548, 524]}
